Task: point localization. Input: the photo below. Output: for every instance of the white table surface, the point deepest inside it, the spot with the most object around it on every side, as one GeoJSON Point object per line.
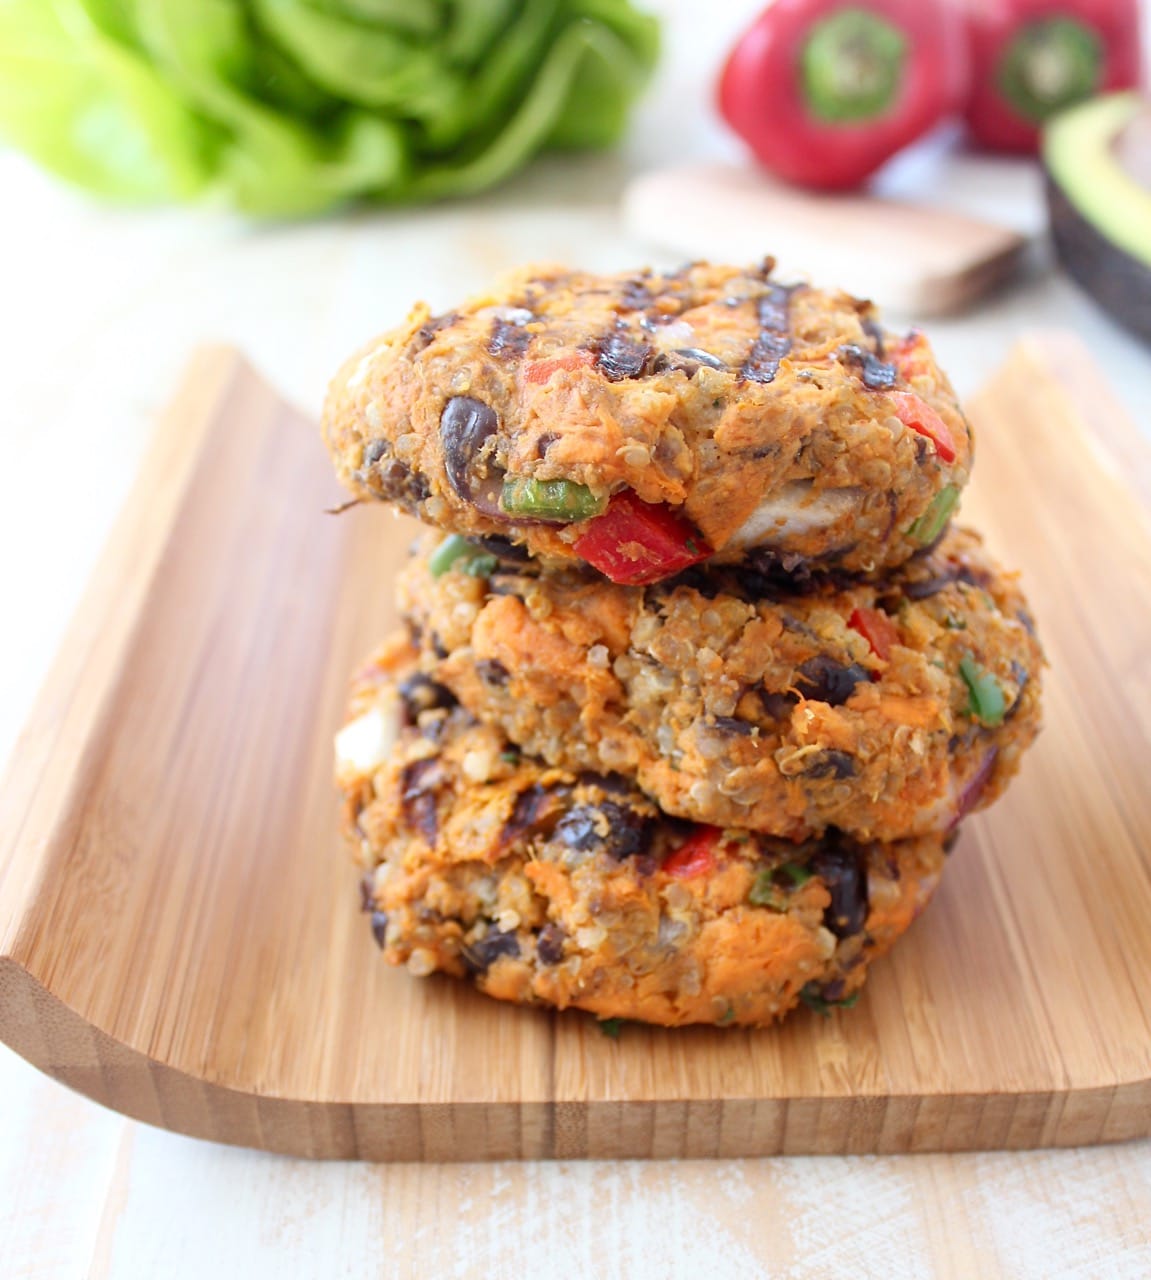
{"type": "Point", "coordinates": [98, 311]}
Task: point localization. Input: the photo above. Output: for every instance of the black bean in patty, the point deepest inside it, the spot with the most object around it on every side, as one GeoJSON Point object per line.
{"type": "Point", "coordinates": [419, 692]}
{"type": "Point", "coordinates": [830, 764]}
{"type": "Point", "coordinates": [492, 672]}
{"type": "Point", "coordinates": [578, 828]}
{"type": "Point", "coordinates": [841, 869]}
{"type": "Point", "coordinates": [628, 832]}
{"type": "Point", "coordinates": [420, 781]}
{"type": "Point", "coordinates": [503, 548]}
{"type": "Point", "coordinates": [777, 705]}
{"type": "Point", "coordinates": [550, 944]}
{"type": "Point", "coordinates": [686, 359]}
{"type": "Point", "coordinates": [374, 450]}
{"type": "Point", "coordinates": [466, 425]}
{"type": "Point", "coordinates": [397, 482]}
{"type": "Point", "coordinates": [729, 724]}
{"type": "Point", "coordinates": [480, 956]}
{"type": "Point", "coordinates": [701, 357]}
{"type": "Point", "coordinates": [535, 812]}
{"type": "Point", "coordinates": [824, 679]}
{"type": "Point", "coordinates": [833, 990]}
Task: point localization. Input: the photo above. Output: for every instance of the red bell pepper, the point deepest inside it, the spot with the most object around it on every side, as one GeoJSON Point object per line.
{"type": "Point", "coordinates": [911, 356]}
{"type": "Point", "coordinates": [876, 628]}
{"type": "Point", "coordinates": [541, 370]}
{"type": "Point", "coordinates": [696, 856]}
{"type": "Point", "coordinates": [637, 542]}
{"type": "Point", "coordinates": [914, 412]}
{"type": "Point", "coordinates": [824, 91]}
{"type": "Point", "coordinates": [1032, 58]}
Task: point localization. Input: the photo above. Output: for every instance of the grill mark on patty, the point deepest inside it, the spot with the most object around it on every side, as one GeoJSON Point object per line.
{"type": "Point", "coordinates": [771, 307]}
{"type": "Point", "coordinates": [428, 330]}
{"type": "Point", "coordinates": [508, 339]}
{"type": "Point", "coordinates": [875, 332]}
{"type": "Point", "coordinates": [619, 358]}
{"type": "Point", "coordinates": [774, 340]}
{"type": "Point", "coordinates": [876, 375]}
{"type": "Point", "coordinates": [636, 294]}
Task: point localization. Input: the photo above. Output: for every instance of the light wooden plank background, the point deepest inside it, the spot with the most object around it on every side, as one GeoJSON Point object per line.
{"type": "Point", "coordinates": [88, 1194]}
{"type": "Point", "coordinates": [98, 314]}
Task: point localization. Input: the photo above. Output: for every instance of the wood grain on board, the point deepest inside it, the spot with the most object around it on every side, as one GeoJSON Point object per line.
{"type": "Point", "coordinates": [178, 928]}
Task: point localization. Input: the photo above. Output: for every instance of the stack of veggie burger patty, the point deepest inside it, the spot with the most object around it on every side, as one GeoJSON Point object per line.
{"type": "Point", "coordinates": [698, 677]}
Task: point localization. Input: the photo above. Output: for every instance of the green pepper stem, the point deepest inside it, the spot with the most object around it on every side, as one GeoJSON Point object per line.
{"type": "Point", "coordinates": [852, 66]}
{"type": "Point", "coordinates": [1049, 65]}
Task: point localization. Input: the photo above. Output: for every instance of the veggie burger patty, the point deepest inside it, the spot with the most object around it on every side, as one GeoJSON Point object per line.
{"type": "Point", "coordinates": [698, 677]}
{"type": "Point", "coordinates": [640, 423]}
{"type": "Point", "coordinates": [884, 709]}
{"type": "Point", "coordinates": [568, 888]}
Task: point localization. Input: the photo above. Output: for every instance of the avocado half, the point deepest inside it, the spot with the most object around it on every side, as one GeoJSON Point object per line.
{"type": "Point", "coordinates": [1097, 166]}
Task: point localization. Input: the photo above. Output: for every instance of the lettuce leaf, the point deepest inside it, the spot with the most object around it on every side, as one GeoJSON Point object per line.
{"type": "Point", "coordinates": [284, 108]}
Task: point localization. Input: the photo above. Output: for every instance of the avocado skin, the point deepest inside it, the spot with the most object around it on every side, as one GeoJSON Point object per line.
{"type": "Point", "coordinates": [1118, 281]}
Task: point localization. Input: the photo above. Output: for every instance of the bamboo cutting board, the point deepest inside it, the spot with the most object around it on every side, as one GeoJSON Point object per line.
{"type": "Point", "coordinates": [179, 936]}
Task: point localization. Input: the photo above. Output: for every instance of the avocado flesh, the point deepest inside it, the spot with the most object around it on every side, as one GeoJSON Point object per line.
{"type": "Point", "coordinates": [1095, 158]}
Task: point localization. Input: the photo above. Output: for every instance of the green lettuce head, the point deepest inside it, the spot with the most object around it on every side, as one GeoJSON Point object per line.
{"type": "Point", "coordinates": [287, 107]}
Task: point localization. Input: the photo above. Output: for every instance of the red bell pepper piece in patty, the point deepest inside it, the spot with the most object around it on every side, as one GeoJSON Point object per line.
{"type": "Point", "coordinates": [696, 856]}
{"type": "Point", "coordinates": [876, 628]}
{"type": "Point", "coordinates": [636, 542]}
{"type": "Point", "coordinates": [911, 358]}
{"type": "Point", "coordinates": [539, 371]}
{"type": "Point", "coordinates": [914, 412]}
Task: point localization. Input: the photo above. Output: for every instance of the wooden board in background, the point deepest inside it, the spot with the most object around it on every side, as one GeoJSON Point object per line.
{"type": "Point", "coordinates": [920, 260]}
{"type": "Point", "coordinates": [178, 933]}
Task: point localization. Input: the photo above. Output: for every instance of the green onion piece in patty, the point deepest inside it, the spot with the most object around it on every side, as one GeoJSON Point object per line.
{"type": "Point", "coordinates": [456, 552]}
{"type": "Point", "coordinates": [985, 700]}
{"type": "Point", "coordinates": [765, 893]}
{"type": "Point", "coordinates": [561, 500]}
{"type": "Point", "coordinates": [930, 524]}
